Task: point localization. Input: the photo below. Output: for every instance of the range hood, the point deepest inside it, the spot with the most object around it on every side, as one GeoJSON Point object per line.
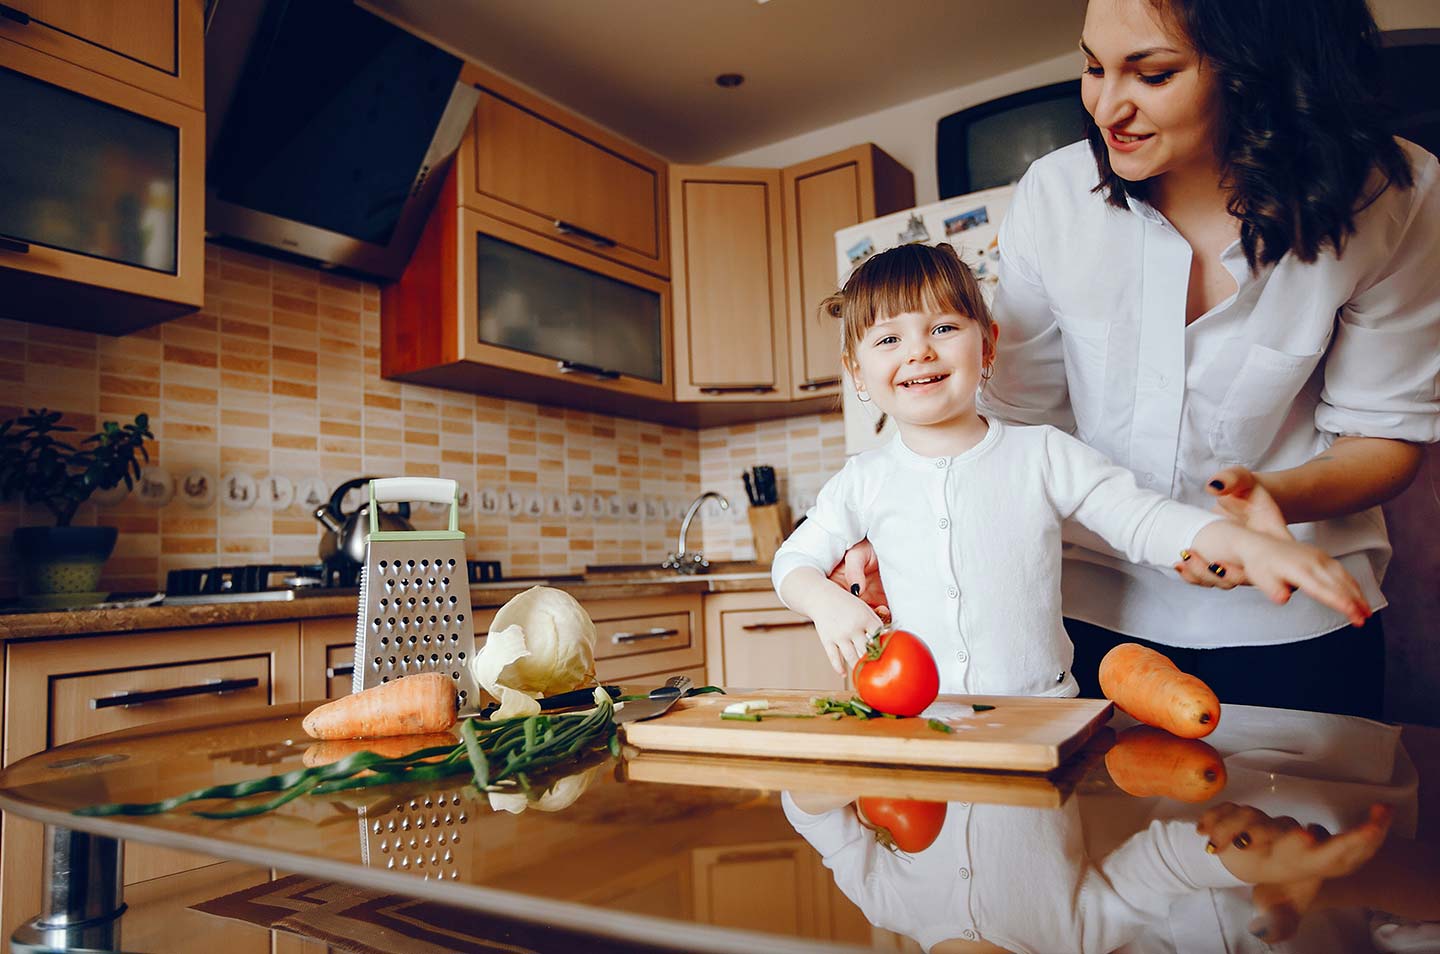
{"type": "Point", "coordinates": [328, 131]}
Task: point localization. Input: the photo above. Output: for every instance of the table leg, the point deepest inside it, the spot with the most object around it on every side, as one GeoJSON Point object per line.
{"type": "Point", "coordinates": [84, 896]}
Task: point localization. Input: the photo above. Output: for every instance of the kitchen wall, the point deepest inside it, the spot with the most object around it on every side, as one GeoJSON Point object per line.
{"type": "Point", "coordinates": [279, 375]}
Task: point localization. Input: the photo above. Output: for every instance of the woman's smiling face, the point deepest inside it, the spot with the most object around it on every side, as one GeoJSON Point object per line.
{"type": "Point", "coordinates": [1156, 103]}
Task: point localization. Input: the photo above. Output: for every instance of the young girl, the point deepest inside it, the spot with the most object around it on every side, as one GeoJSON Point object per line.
{"type": "Point", "coordinates": [964, 514]}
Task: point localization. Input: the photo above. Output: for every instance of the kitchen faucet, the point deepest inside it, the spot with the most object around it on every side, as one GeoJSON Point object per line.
{"type": "Point", "coordinates": [683, 560]}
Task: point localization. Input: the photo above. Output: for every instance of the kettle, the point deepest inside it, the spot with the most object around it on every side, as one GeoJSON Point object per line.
{"type": "Point", "coordinates": [343, 544]}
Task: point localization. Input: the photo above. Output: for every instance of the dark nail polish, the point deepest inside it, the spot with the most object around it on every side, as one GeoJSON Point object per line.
{"type": "Point", "coordinates": [1241, 841]}
{"type": "Point", "coordinates": [1218, 485]}
{"type": "Point", "coordinates": [855, 588]}
{"type": "Point", "coordinates": [1210, 848]}
{"type": "Point", "coordinates": [1184, 554]}
{"type": "Point", "coordinates": [1260, 932]}
{"type": "Point", "coordinates": [1217, 569]}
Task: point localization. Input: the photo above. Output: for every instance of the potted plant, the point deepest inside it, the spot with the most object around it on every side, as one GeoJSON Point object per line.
{"type": "Point", "coordinates": [61, 564]}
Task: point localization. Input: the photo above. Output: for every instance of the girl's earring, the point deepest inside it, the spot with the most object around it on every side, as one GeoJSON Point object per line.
{"type": "Point", "coordinates": [863, 397]}
{"type": "Point", "coordinates": [986, 372]}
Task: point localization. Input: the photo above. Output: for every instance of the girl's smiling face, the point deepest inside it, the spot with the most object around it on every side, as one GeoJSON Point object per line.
{"type": "Point", "coordinates": [922, 369]}
{"type": "Point", "coordinates": [1148, 90]}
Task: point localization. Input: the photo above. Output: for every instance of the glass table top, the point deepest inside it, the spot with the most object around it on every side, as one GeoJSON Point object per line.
{"type": "Point", "coordinates": [713, 853]}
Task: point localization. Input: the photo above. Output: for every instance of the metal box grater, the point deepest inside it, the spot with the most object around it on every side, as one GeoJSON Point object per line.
{"type": "Point", "coordinates": [419, 835]}
{"type": "Point", "coordinates": [414, 613]}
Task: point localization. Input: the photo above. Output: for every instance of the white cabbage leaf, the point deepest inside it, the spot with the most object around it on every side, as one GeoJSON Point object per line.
{"type": "Point", "coordinates": [541, 643]}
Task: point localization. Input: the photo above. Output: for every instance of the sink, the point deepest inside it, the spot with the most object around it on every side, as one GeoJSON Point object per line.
{"type": "Point", "coordinates": [649, 573]}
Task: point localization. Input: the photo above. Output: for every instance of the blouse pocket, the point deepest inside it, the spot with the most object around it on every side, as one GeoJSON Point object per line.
{"type": "Point", "coordinates": [1086, 344]}
{"type": "Point", "coordinates": [1257, 403]}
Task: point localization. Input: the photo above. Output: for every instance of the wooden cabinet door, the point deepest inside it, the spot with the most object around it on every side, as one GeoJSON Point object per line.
{"type": "Point", "coordinates": [60, 690]}
{"type": "Point", "coordinates": [104, 230]}
{"type": "Point", "coordinates": [729, 284]}
{"type": "Point", "coordinates": [156, 45]}
{"type": "Point", "coordinates": [327, 657]}
{"type": "Point", "coordinates": [527, 161]}
{"type": "Point", "coordinates": [755, 642]}
{"type": "Point", "coordinates": [823, 196]}
{"type": "Point", "coordinates": [773, 887]}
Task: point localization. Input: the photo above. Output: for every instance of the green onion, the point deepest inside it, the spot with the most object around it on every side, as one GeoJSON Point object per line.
{"type": "Point", "coordinates": [980, 707]}
{"type": "Point", "coordinates": [740, 716]}
{"type": "Point", "coordinates": [938, 726]}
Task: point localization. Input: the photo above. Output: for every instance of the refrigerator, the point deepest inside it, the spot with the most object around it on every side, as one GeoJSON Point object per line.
{"type": "Point", "coordinates": [970, 223]}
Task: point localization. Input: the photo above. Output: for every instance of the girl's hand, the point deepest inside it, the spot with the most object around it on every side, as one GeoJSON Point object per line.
{"type": "Point", "coordinates": [844, 624]}
{"type": "Point", "coordinates": [1280, 567]}
{"type": "Point", "coordinates": [1241, 497]}
{"type": "Point", "coordinates": [1287, 863]}
{"type": "Point", "coordinates": [860, 568]}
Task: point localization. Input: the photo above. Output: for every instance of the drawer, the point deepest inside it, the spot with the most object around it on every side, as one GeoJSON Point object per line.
{"type": "Point", "coordinates": [82, 705]}
{"type": "Point", "coordinates": [641, 634]}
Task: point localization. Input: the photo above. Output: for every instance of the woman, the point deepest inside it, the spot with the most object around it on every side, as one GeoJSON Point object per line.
{"type": "Point", "coordinates": [1243, 308]}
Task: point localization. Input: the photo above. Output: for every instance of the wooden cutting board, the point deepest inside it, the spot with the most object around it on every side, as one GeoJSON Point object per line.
{"type": "Point", "coordinates": [1021, 733]}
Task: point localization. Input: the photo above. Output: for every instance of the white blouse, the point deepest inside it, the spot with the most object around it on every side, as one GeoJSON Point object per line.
{"type": "Point", "coordinates": [969, 546]}
{"type": "Point", "coordinates": [1093, 339]}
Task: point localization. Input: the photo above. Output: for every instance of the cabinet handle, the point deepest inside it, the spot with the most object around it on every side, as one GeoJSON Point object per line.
{"type": "Point", "coordinates": [332, 671]}
{"type": "Point", "coordinates": [767, 627]}
{"type": "Point", "coordinates": [739, 389]}
{"type": "Point", "coordinates": [817, 385]}
{"type": "Point", "coordinates": [565, 228]}
{"type": "Point", "coordinates": [14, 245]}
{"type": "Point", "coordinates": [127, 698]}
{"type": "Point", "coordinates": [10, 13]}
{"type": "Point", "coordinates": [773, 854]}
{"type": "Point", "coordinates": [656, 633]}
{"type": "Point", "coordinates": [575, 367]}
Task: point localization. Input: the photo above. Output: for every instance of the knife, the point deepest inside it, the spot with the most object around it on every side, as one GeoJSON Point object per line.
{"type": "Point", "coordinates": [659, 702]}
{"type": "Point", "coordinates": [565, 700]}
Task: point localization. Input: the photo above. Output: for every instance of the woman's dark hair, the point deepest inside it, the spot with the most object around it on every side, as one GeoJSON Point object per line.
{"type": "Point", "coordinates": [1302, 127]}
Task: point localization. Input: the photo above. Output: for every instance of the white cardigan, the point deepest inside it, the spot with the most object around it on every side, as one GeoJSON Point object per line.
{"type": "Point", "coordinates": [969, 546]}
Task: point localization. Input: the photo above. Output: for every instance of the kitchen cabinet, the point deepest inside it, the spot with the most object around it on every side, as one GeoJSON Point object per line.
{"type": "Point", "coordinates": [750, 273]}
{"type": "Point", "coordinates": [820, 197]}
{"type": "Point", "coordinates": [774, 887]}
{"type": "Point", "coordinates": [530, 163]}
{"type": "Point", "coordinates": [753, 641]}
{"type": "Point", "coordinates": [641, 641]}
{"type": "Point", "coordinates": [731, 336]}
{"type": "Point", "coordinates": [488, 306]}
{"type": "Point", "coordinates": [102, 225]}
{"type": "Point", "coordinates": [154, 45]}
{"type": "Point", "coordinates": [58, 691]}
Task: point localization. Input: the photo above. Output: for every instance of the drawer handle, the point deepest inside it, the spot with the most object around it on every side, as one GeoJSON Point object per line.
{"type": "Point", "coordinates": [14, 245]}
{"type": "Point", "coordinates": [566, 228]}
{"type": "Point", "coordinates": [10, 13]}
{"type": "Point", "coordinates": [655, 633]}
{"type": "Point", "coordinates": [739, 389]}
{"type": "Point", "coordinates": [332, 671]}
{"type": "Point", "coordinates": [817, 385]}
{"type": "Point", "coordinates": [127, 698]}
{"type": "Point", "coordinates": [576, 367]}
{"type": "Point", "coordinates": [767, 627]}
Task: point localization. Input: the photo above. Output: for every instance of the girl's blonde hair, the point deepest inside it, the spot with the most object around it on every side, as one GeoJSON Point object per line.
{"type": "Point", "coordinates": [924, 278]}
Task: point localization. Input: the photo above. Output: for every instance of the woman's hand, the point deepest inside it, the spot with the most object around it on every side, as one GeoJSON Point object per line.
{"type": "Point", "coordinates": [1280, 567]}
{"type": "Point", "coordinates": [1286, 862]}
{"type": "Point", "coordinates": [859, 573]}
{"type": "Point", "coordinates": [1240, 496]}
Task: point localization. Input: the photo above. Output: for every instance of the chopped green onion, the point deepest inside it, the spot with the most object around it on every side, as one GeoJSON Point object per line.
{"type": "Point", "coordinates": [938, 726]}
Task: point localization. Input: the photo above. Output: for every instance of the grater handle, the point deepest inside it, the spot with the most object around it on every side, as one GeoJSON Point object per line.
{"type": "Point", "coordinates": [427, 489]}
{"type": "Point", "coordinates": [440, 490]}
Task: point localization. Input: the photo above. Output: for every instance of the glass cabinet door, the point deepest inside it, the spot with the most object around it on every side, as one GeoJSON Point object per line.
{"type": "Point", "coordinates": [543, 306]}
{"type": "Point", "coordinates": [82, 176]}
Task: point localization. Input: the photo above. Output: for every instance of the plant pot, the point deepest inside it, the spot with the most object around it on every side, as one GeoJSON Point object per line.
{"type": "Point", "coordinates": [61, 565]}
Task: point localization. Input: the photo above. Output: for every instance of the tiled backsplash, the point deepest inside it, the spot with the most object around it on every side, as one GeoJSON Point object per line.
{"type": "Point", "coordinates": [279, 375]}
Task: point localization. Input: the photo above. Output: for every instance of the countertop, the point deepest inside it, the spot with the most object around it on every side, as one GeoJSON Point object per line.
{"type": "Point", "coordinates": [701, 853]}
{"type": "Point", "coordinates": [619, 585]}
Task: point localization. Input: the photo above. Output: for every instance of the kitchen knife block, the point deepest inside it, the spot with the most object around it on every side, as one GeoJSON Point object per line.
{"type": "Point", "coordinates": [769, 525]}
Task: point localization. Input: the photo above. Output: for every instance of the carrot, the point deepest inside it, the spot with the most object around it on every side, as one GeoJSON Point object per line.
{"type": "Point", "coordinates": [1147, 685]}
{"type": "Point", "coordinates": [410, 705]}
{"type": "Point", "coordinates": [333, 750]}
{"type": "Point", "coordinates": [1147, 761]}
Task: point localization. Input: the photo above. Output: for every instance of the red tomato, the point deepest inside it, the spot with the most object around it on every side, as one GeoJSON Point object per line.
{"type": "Point", "coordinates": [897, 675]}
{"type": "Point", "coordinates": [906, 824]}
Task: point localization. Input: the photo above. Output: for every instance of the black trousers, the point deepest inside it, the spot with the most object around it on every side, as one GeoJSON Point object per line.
{"type": "Point", "coordinates": [1342, 672]}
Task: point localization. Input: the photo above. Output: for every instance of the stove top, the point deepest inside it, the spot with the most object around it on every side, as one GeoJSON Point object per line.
{"type": "Point", "coordinates": [280, 581]}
